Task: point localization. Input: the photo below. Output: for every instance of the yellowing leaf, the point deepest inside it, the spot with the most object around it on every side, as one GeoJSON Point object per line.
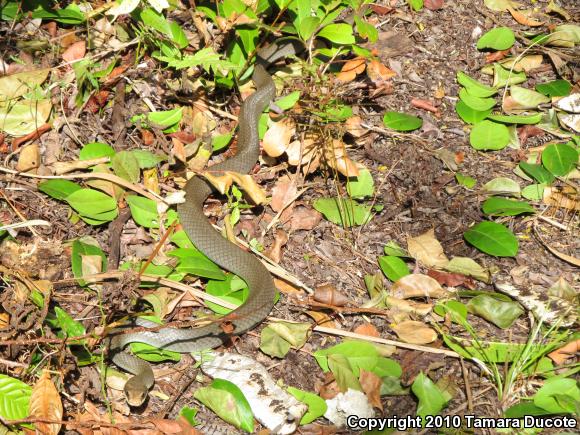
{"type": "Point", "coordinates": [411, 331]}
{"type": "Point", "coordinates": [45, 404]}
{"type": "Point", "coordinates": [15, 85]}
{"type": "Point", "coordinates": [24, 117]}
{"type": "Point", "coordinates": [417, 285]}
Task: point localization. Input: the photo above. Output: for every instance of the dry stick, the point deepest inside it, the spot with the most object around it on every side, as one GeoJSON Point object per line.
{"type": "Point", "coordinates": [467, 385]}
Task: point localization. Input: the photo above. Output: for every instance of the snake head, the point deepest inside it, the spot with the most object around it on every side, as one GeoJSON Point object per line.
{"type": "Point", "coordinates": [135, 393]}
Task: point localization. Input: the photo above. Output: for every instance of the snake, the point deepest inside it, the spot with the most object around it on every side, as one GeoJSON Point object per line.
{"type": "Point", "coordinates": [227, 255]}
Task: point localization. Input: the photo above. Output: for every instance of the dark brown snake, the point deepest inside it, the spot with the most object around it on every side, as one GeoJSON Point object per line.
{"type": "Point", "coordinates": [222, 252]}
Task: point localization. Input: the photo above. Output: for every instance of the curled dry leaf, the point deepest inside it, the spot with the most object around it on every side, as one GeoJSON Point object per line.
{"type": "Point", "coordinates": [302, 218]}
{"type": "Point", "coordinates": [351, 69]}
{"type": "Point", "coordinates": [425, 105]}
{"type": "Point", "coordinates": [329, 295]}
{"type": "Point", "coordinates": [275, 251]}
{"type": "Point", "coordinates": [354, 126]}
{"type": "Point", "coordinates": [411, 331]}
{"type": "Point", "coordinates": [524, 19]}
{"type": "Point", "coordinates": [245, 181]}
{"type": "Point", "coordinates": [322, 319]}
{"type": "Point", "coordinates": [367, 329]}
{"type": "Point", "coordinates": [75, 52]}
{"type": "Point", "coordinates": [29, 158]}
{"type": "Point", "coordinates": [408, 306]}
{"type": "Point", "coordinates": [277, 138]}
{"type": "Point", "coordinates": [283, 192]}
{"type": "Point", "coordinates": [417, 285]}
{"type": "Point", "coordinates": [337, 159]}
{"type": "Point", "coordinates": [371, 385]}
{"type": "Point", "coordinates": [566, 352]}
{"type": "Point", "coordinates": [45, 404]}
{"type": "Point", "coordinates": [379, 73]}
{"type": "Point", "coordinates": [496, 56]}
{"type": "Point", "coordinates": [451, 279]}
{"type": "Point", "coordinates": [427, 250]}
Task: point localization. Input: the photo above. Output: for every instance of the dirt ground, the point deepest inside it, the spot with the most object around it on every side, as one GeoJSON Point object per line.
{"type": "Point", "coordinates": [416, 190]}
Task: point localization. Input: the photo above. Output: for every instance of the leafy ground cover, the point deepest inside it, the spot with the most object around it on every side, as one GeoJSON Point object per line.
{"type": "Point", "coordinates": [416, 200]}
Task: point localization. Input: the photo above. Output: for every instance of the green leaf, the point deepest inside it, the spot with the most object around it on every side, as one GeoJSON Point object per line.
{"type": "Point", "coordinates": [14, 398]}
{"type": "Point", "coordinates": [81, 249]}
{"type": "Point", "coordinates": [401, 121]}
{"type": "Point", "coordinates": [58, 189]}
{"type": "Point", "coordinates": [517, 119]}
{"type": "Point", "coordinates": [126, 166]}
{"type": "Point", "coordinates": [95, 150]}
{"type": "Point", "coordinates": [361, 186]}
{"type": "Point", "coordinates": [504, 76]}
{"type": "Point", "coordinates": [534, 192]}
{"type": "Point", "coordinates": [476, 103]}
{"type": "Point", "coordinates": [473, 87]}
{"type": "Point", "coordinates": [500, 38]}
{"type": "Point", "coordinates": [499, 312]}
{"type": "Point", "coordinates": [493, 239]}
{"type": "Point", "coordinates": [392, 248]}
{"type": "Point", "coordinates": [523, 409]}
{"type": "Point", "coordinates": [189, 415]}
{"type": "Point", "coordinates": [558, 395]}
{"type": "Point", "coordinates": [343, 373]}
{"type": "Point", "coordinates": [340, 33]}
{"type": "Point", "coordinates": [559, 158]}
{"type": "Point", "coordinates": [393, 267]}
{"type": "Point", "coordinates": [153, 354]}
{"type": "Point", "coordinates": [143, 211]}
{"type": "Point", "coordinates": [456, 310]}
{"type": "Point", "coordinates": [92, 203]}
{"type": "Point", "coordinates": [361, 355]}
{"type": "Point", "coordinates": [469, 115]}
{"type": "Point", "coordinates": [431, 398]}
{"type": "Point", "coordinates": [194, 262]}
{"type": "Point", "coordinates": [469, 267]}
{"type": "Point", "coordinates": [277, 338]}
{"type": "Point", "coordinates": [220, 141]}
{"type": "Point", "coordinates": [165, 118]}
{"type": "Point", "coordinates": [146, 159]}
{"type": "Point", "coordinates": [68, 326]}
{"type": "Point", "coordinates": [316, 405]}
{"type": "Point", "coordinates": [288, 101]}
{"type": "Point", "coordinates": [228, 402]}
{"type": "Point", "coordinates": [416, 5]}
{"type": "Point", "coordinates": [555, 88]}
{"type": "Point", "coordinates": [526, 98]}
{"type": "Point", "coordinates": [366, 30]}
{"type": "Point", "coordinates": [503, 185]}
{"type": "Point", "coordinates": [465, 180]}
{"type": "Point", "coordinates": [496, 206]}
{"type": "Point", "coordinates": [307, 27]}
{"type": "Point", "coordinates": [233, 289]}
{"type": "Point", "coordinates": [343, 211]}
{"type": "Point", "coordinates": [69, 15]}
{"type": "Point", "coordinates": [537, 172]}
{"type": "Point", "coordinates": [488, 135]}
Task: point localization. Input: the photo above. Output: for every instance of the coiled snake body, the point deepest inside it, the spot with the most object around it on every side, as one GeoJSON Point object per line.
{"type": "Point", "coordinates": [261, 286]}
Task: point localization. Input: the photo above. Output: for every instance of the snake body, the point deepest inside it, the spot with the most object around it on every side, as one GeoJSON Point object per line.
{"type": "Point", "coordinates": [228, 256]}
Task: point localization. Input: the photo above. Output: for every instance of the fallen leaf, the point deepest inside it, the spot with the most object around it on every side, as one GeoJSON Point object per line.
{"type": "Point", "coordinates": [451, 279]}
{"type": "Point", "coordinates": [277, 138]}
{"type": "Point", "coordinates": [329, 295]}
{"type": "Point", "coordinates": [524, 20]}
{"type": "Point", "coordinates": [367, 329]}
{"type": "Point", "coordinates": [527, 131]}
{"type": "Point", "coordinates": [275, 251]}
{"type": "Point", "coordinates": [246, 182]}
{"type": "Point", "coordinates": [427, 250]}
{"type": "Point", "coordinates": [371, 385]}
{"type": "Point", "coordinates": [354, 127]}
{"type": "Point", "coordinates": [496, 56]}
{"type": "Point", "coordinates": [337, 158]}
{"type": "Point", "coordinates": [566, 352]}
{"type": "Point", "coordinates": [75, 52]}
{"type": "Point", "coordinates": [322, 319]}
{"type": "Point", "coordinates": [45, 403]}
{"type": "Point", "coordinates": [351, 69]}
{"type": "Point", "coordinates": [565, 197]}
{"type": "Point", "coordinates": [283, 192]}
{"type": "Point", "coordinates": [417, 285]}
{"type": "Point", "coordinates": [410, 307]}
{"type": "Point", "coordinates": [379, 73]}
{"type": "Point", "coordinates": [29, 158]}
{"type": "Point", "coordinates": [411, 331]}
{"type": "Point", "coordinates": [425, 105]}
{"type": "Point", "coordinates": [31, 136]}
{"type": "Point", "coordinates": [286, 287]}
{"type": "Point", "coordinates": [303, 218]}
{"type": "Point", "coordinates": [433, 5]}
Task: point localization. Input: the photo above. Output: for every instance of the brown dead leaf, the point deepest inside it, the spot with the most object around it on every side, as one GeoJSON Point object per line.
{"type": "Point", "coordinates": [405, 306]}
{"type": "Point", "coordinates": [277, 138]}
{"type": "Point", "coordinates": [439, 92]}
{"type": "Point", "coordinates": [566, 197]}
{"type": "Point", "coordinates": [245, 181]}
{"type": "Point", "coordinates": [45, 404]}
{"type": "Point", "coordinates": [411, 331]}
{"type": "Point", "coordinates": [434, 5]}
{"type": "Point", "coordinates": [75, 52]}
{"type": "Point", "coordinates": [329, 295]}
{"type": "Point", "coordinates": [367, 329]}
{"type": "Point", "coordinates": [354, 127]}
{"type": "Point", "coordinates": [30, 136]}
{"type": "Point", "coordinates": [287, 288]}
{"type": "Point", "coordinates": [414, 362]}
{"type": "Point", "coordinates": [322, 319]}
{"type": "Point", "coordinates": [168, 427]}
{"type": "Point", "coordinates": [566, 352]}
{"type": "Point", "coordinates": [283, 192]}
{"type": "Point", "coordinates": [275, 251]}
{"type": "Point", "coordinates": [451, 279]}
{"type": "Point", "coordinates": [29, 158]}
{"type": "Point", "coordinates": [527, 131]}
{"type": "Point", "coordinates": [337, 158]}
{"type": "Point", "coordinates": [330, 388]}
{"type": "Point", "coordinates": [379, 73]}
{"type": "Point", "coordinates": [427, 250]}
{"type": "Point", "coordinates": [4, 319]}
{"type": "Point", "coordinates": [496, 56]}
{"type": "Point", "coordinates": [371, 385]}
{"type": "Point", "coordinates": [417, 285]}
{"type": "Point", "coordinates": [524, 19]}
{"type": "Point", "coordinates": [351, 69]}
{"type": "Point", "coordinates": [425, 105]}
{"type": "Point", "coordinates": [381, 9]}
{"type": "Point", "coordinates": [303, 218]}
